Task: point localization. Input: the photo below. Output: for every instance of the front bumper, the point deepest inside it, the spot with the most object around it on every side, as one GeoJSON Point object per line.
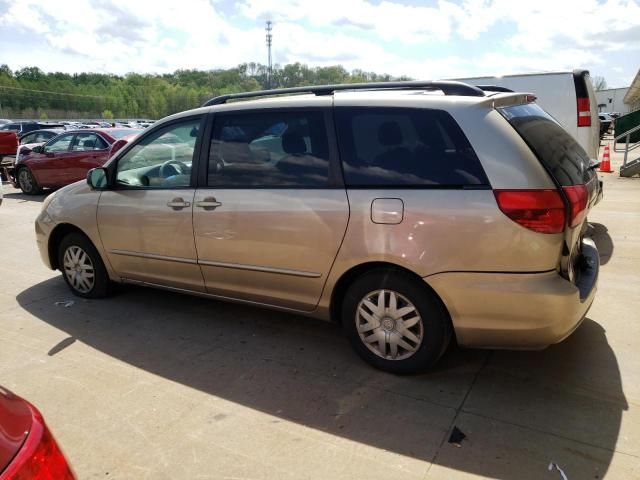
{"type": "Point", "coordinates": [44, 225]}
{"type": "Point", "coordinates": [518, 310]}
{"type": "Point", "coordinates": [7, 168]}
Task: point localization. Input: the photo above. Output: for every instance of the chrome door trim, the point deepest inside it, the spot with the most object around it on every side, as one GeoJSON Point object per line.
{"type": "Point", "coordinates": [153, 256]}
{"type": "Point", "coordinates": [258, 268]}
{"type": "Point", "coordinates": [213, 296]}
{"type": "Point", "coordinates": [238, 266]}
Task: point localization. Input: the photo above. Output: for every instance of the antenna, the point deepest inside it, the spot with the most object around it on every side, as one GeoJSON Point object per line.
{"type": "Point", "coordinates": [269, 29]}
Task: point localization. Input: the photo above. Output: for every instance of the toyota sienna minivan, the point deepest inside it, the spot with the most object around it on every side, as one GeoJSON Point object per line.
{"type": "Point", "coordinates": [409, 212]}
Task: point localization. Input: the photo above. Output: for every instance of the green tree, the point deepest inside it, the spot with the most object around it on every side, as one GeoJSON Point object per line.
{"type": "Point", "coordinates": [57, 94]}
{"type": "Point", "coordinates": [107, 114]}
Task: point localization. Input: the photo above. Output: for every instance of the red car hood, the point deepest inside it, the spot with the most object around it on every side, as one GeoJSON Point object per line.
{"type": "Point", "coordinates": [15, 423]}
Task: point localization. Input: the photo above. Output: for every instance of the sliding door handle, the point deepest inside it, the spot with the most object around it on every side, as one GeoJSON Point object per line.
{"type": "Point", "coordinates": [209, 203]}
{"type": "Point", "coordinates": [178, 203]}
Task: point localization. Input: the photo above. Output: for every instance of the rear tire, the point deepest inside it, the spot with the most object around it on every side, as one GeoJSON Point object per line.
{"type": "Point", "coordinates": [395, 322]}
{"type": "Point", "coordinates": [27, 182]}
{"type": "Point", "coordinates": [82, 268]}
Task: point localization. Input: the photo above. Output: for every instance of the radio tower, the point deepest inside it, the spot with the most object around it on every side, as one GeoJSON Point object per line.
{"type": "Point", "coordinates": [269, 29]}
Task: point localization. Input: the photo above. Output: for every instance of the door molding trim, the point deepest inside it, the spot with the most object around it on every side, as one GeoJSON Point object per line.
{"type": "Point", "coordinates": [259, 268]}
{"type": "Point", "coordinates": [153, 256]}
{"type": "Point", "coordinates": [208, 263]}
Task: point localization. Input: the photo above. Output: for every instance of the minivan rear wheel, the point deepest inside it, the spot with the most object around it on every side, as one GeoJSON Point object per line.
{"type": "Point", "coordinates": [395, 322]}
{"type": "Point", "coordinates": [82, 268]}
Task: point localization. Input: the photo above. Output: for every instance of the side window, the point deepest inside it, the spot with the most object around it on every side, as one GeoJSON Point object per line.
{"type": "Point", "coordinates": [269, 149]}
{"type": "Point", "coordinates": [405, 147]}
{"type": "Point", "coordinates": [30, 138]}
{"type": "Point", "coordinates": [162, 159]}
{"type": "Point", "coordinates": [60, 144]}
{"type": "Point", "coordinates": [44, 136]}
{"type": "Point", "coordinates": [88, 141]}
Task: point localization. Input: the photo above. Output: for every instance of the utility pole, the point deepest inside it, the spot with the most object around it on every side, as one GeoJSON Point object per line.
{"type": "Point", "coordinates": [269, 29]}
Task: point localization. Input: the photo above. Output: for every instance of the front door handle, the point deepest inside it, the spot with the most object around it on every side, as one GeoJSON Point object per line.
{"type": "Point", "coordinates": [209, 203]}
{"type": "Point", "coordinates": [178, 203]}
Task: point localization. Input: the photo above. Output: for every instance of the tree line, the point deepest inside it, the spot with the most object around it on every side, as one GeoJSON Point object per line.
{"type": "Point", "coordinates": [31, 93]}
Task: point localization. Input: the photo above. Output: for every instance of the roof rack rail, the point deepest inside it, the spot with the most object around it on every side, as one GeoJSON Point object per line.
{"type": "Point", "coordinates": [494, 88]}
{"type": "Point", "coordinates": [447, 87]}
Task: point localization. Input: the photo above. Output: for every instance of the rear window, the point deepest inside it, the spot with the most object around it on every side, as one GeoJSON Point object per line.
{"type": "Point", "coordinates": [558, 151]}
{"type": "Point", "coordinates": [405, 147]}
{"type": "Point", "coordinates": [123, 132]}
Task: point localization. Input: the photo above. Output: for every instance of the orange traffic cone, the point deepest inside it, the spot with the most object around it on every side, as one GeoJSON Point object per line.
{"type": "Point", "coordinates": [605, 164]}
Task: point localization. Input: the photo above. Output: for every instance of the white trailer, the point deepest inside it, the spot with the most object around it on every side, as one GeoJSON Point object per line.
{"type": "Point", "coordinates": [567, 96]}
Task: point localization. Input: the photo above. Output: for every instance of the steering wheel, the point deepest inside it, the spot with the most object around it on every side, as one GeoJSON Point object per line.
{"type": "Point", "coordinates": [181, 168]}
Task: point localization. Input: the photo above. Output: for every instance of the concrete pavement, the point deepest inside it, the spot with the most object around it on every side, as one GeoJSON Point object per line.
{"type": "Point", "coordinates": [154, 385]}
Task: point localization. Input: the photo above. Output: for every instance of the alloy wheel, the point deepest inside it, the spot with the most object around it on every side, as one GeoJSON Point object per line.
{"type": "Point", "coordinates": [25, 180]}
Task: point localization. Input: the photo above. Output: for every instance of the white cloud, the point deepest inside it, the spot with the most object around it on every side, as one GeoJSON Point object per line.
{"type": "Point", "coordinates": [420, 41]}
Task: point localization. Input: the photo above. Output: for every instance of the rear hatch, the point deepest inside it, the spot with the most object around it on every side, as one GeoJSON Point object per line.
{"type": "Point", "coordinates": [570, 168]}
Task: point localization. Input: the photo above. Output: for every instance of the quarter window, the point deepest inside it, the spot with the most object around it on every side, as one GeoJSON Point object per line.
{"type": "Point", "coordinates": [162, 159]}
{"type": "Point", "coordinates": [88, 141]}
{"type": "Point", "coordinates": [556, 149]}
{"type": "Point", "coordinates": [405, 147]}
{"type": "Point", "coordinates": [269, 149]}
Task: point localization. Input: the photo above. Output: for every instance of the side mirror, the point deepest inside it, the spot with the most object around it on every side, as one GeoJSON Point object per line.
{"type": "Point", "coordinates": [38, 149]}
{"type": "Point", "coordinates": [97, 178]}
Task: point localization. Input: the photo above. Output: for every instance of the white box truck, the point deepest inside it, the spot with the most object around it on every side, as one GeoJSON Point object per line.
{"type": "Point", "coordinates": [567, 96]}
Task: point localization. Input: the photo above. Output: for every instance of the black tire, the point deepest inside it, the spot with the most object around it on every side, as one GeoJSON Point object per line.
{"type": "Point", "coordinates": [27, 182]}
{"type": "Point", "coordinates": [435, 329]}
{"type": "Point", "coordinates": [101, 285]}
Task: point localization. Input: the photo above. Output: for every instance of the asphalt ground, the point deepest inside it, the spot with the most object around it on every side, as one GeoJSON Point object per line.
{"type": "Point", "coordinates": [155, 385]}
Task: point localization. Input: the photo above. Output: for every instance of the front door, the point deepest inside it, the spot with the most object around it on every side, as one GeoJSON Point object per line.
{"type": "Point", "coordinates": [270, 218]}
{"type": "Point", "coordinates": [48, 166]}
{"type": "Point", "coordinates": [145, 221]}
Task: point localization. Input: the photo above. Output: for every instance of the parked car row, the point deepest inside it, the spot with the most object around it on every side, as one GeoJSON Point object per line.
{"type": "Point", "coordinates": [63, 159]}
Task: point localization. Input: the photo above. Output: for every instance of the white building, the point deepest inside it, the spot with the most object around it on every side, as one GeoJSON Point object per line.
{"type": "Point", "coordinates": [632, 97]}
{"type": "Point", "coordinates": [612, 100]}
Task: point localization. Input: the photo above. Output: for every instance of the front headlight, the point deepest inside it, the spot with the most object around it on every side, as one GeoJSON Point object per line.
{"type": "Point", "coordinates": [47, 200]}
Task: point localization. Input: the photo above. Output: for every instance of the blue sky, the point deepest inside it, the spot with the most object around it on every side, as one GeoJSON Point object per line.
{"type": "Point", "coordinates": [422, 39]}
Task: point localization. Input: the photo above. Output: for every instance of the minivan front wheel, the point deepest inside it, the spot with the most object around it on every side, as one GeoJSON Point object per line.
{"type": "Point", "coordinates": [82, 268]}
{"type": "Point", "coordinates": [394, 322]}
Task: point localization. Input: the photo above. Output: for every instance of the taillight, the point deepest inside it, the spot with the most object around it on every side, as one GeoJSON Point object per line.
{"type": "Point", "coordinates": [40, 458]}
{"type": "Point", "coordinates": [538, 210]}
{"type": "Point", "coordinates": [578, 197]}
{"type": "Point", "coordinates": [584, 112]}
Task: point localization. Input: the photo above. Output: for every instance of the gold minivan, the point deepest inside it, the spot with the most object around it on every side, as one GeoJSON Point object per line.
{"type": "Point", "coordinates": [409, 212]}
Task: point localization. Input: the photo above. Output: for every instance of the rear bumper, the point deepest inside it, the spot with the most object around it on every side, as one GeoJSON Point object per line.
{"type": "Point", "coordinates": [518, 310]}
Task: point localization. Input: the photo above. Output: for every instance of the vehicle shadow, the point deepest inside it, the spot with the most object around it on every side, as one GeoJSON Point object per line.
{"type": "Point", "coordinates": [601, 237]}
{"type": "Point", "coordinates": [27, 198]}
{"type": "Point", "coordinates": [303, 370]}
